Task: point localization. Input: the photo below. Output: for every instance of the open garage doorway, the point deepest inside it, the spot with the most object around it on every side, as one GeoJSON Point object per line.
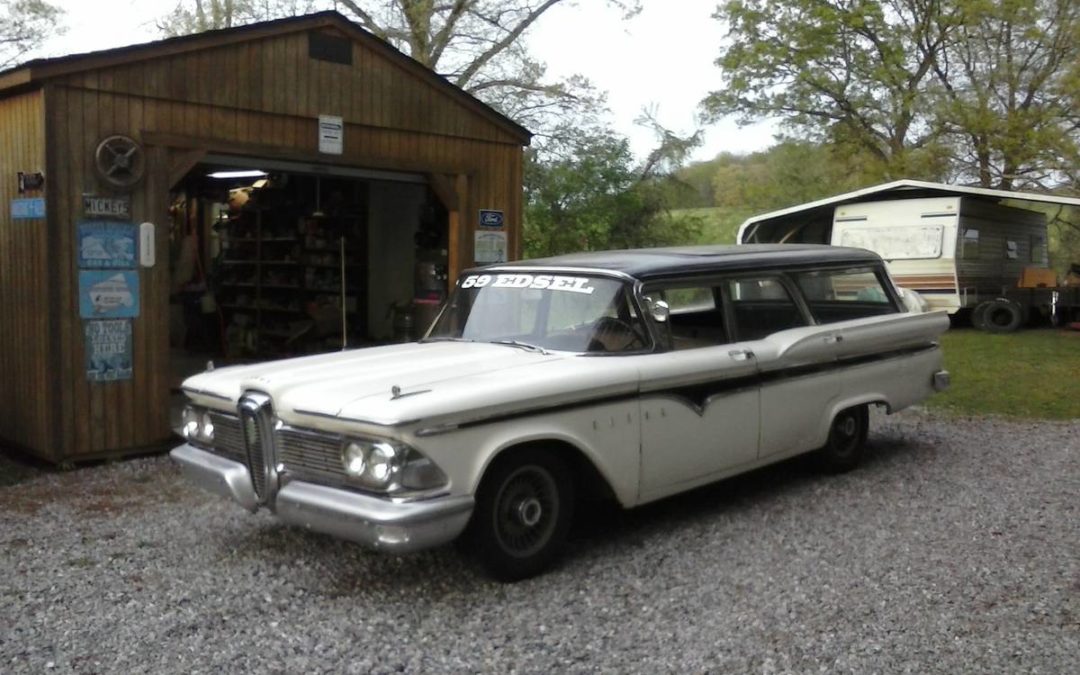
{"type": "Point", "coordinates": [273, 259]}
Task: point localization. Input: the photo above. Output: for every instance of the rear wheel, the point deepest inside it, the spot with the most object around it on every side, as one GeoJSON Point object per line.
{"type": "Point", "coordinates": [523, 511]}
{"type": "Point", "coordinates": [847, 439]}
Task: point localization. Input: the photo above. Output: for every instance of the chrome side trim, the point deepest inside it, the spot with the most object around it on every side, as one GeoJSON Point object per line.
{"type": "Point", "coordinates": [380, 523]}
{"type": "Point", "coordinates": [358, 420]}
{"type": "Point", "coordinates": [216, 474]}
{"type": "Point", "coordinates": [203, 392]}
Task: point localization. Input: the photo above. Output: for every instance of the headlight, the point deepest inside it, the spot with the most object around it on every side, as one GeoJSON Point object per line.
{"type": "Point", "coordinates": [386, 466]}
{"type": "Point", "coordinates": [189, 425]}
{"type": "Point", "coordinates": [197, 426]}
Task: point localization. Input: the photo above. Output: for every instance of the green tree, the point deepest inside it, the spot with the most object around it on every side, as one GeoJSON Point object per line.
{"type": "Point", "coordinates": [24, 25]}
{"type": "Point", "coordinates": [972, 90]}
{"type": "Point", "coordinates": [592, 195]}
{"type": "Point", "coordinates": [1007, 88]}
{"type": "Point", "coordinates": [789, 173]}
{"type": "Point", "coordinates": [851, 71]}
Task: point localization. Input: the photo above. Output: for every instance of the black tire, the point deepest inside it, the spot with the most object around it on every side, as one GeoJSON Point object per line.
{"type": "Point", "coordinates": [847, 440]}
{"type": "Point", "coordinates": [978, 315]}
{"type": "Point", "coordinates": [523, 511]}
{"type": "Point", "coordinates": [1002, 316]}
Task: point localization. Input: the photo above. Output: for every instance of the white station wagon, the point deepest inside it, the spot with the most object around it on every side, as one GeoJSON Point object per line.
{"type": "Point", "coordinates": [629, 374]}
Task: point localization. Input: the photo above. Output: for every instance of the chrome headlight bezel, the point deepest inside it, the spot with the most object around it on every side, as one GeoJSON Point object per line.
{"type": "Point", "coordinates": [196, 426]}
{"type": "Point", "coordinates": [388, 467]}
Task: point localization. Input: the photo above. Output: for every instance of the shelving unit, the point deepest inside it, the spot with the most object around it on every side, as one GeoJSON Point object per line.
{"type": "Point", "coordinates": [280, 281]}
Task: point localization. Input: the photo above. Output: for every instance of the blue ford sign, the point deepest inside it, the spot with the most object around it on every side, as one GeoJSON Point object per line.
{"type": "Point", "coordinates": [490, 218]}
{"type": "Point", "coordinates": [32, 208]}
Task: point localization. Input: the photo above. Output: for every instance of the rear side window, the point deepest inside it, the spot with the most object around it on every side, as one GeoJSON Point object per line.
{"type": "Point", "coordinates": [761, 306]}
{"type": "Point", "coordinates": [840, 295]}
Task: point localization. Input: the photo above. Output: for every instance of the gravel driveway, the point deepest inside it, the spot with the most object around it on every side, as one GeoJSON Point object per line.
{"type": "Point", "coordinates": [955, 548]}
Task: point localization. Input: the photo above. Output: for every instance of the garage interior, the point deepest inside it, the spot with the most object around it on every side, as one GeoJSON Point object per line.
{"type": "Point", "coordinates": [271, 259]}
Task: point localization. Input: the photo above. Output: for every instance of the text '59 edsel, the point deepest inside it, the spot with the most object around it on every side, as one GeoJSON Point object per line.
{"type": "Point", "coordinates": [632, 375]}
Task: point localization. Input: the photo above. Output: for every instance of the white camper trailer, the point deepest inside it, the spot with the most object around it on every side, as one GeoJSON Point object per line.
{"type": "Point", "coordinates": [964, 249]}
{"type": "Point", "coordinates": [955, 251]}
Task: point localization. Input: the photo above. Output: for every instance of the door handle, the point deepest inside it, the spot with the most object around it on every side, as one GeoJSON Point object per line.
{"type": "Point", "coordinates": [740, 354]}
{"type": "Point", "coordinates": [833, 339]}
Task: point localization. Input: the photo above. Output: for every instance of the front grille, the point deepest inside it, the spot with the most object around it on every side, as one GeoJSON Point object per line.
{"type": "Point", "coordinates": [253, 442]}
{"type": "Point", "coordinates": [311, 455]}
{"type": "Point", "coordinates": [228, 437]}
{"type": "Point", "coordinates": [256, 424]}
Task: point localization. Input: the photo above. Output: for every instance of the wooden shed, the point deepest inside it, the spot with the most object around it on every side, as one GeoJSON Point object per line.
{"type": "Point", "coordinates": [275, 189]}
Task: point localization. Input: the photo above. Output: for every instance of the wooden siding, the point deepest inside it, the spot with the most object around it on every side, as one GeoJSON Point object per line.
{"type": "Point", "coordinates": [26, 395]}
{"type": "Point", "coordinates": [992, 272]}
{"type": "Point", "coordinates": [276, 75]}
{"type": "Point", "coordinates": [260, 99]}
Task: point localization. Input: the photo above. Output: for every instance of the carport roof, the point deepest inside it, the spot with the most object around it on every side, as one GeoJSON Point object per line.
{"type": "Point", "coordinates": [906, 189]}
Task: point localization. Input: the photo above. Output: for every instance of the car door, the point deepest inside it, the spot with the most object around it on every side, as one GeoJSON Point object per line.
{"type": "Point", "coordinates": [795, 360]}
{"type": "Point", "coordinates": [699, 399]}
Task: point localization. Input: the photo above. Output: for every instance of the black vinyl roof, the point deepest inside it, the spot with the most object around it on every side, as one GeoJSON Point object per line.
{"type": "Point", "coordinates": [650, 263]}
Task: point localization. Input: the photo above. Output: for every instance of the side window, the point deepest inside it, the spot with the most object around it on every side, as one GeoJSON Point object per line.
{"type": "Point", "coordinates": [969, 244]}
{"type": "Point", "coordinates": [1012, 249]}
{"type": "Point", "coordinates": [696, 319]}
{"type": "Point", "coordinates": [839, 295]}
{"type": "Point", "coordinates": [761, 306]}
{"type": "Point", "coordinates": [1036, 255]}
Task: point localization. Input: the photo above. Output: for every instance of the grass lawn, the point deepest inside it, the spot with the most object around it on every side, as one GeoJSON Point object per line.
{"type": "Point", "coordinates": [1030, 373]}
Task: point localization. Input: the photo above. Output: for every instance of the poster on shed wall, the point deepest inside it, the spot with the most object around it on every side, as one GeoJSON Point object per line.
{"type": "Point", "coordinates": [107, 245]}
{"type": "Point", "coordinates": [106, 294]}
{"type": "Point", "coordinates": [108, 350]}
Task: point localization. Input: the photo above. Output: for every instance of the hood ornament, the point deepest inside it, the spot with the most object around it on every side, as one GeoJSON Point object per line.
{"type": "Point", "coordinates": [396, 393]}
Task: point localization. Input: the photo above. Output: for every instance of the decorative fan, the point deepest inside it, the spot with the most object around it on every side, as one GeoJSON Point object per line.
{"type": "Point", "coordinates": [120, 161]}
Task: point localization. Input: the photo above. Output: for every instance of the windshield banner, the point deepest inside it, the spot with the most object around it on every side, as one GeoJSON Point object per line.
{"type": "Point", "coordinates": [550, 282]}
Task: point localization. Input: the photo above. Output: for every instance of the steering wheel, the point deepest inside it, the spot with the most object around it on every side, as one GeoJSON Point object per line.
{"type": "Point", "coordinates": [610, 325]}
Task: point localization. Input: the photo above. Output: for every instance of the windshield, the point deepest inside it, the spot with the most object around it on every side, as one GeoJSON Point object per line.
{"type": "Point", "coordinates": [563, 312]}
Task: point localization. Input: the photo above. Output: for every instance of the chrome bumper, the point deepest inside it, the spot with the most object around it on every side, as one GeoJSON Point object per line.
{"type": "Point", "coordinates": [379, 523]}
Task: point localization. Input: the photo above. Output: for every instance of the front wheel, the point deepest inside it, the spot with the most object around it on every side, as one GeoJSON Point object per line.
{"type": "Point", "coordinates": [523, 511]}
{"type": "Point", "coordinates": [847, 439]}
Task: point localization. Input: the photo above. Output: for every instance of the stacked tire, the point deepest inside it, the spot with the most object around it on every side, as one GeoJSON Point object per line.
{"type": "Point", "coordinates": [998, 316]}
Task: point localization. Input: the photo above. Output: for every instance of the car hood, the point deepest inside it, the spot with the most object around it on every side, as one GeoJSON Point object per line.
{"type": "Point", "coordinates": [430, 382]}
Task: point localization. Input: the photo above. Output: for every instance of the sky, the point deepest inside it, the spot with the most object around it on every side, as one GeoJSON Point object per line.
{"type": "Point", "coordinates": [661, 59]}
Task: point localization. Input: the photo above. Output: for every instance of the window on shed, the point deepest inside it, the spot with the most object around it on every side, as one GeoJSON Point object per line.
{"type": "Point", "coordinates": [332, 48]}
{"type": "Point", "coordinates": [840, 295]}
{"type": "Point", "coordinates": [761, 307]}
{"type": "Point", "coordinates": [969, 244]}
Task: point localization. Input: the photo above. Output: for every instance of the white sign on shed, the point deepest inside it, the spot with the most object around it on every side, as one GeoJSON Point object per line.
{"type": "Point", "coordinates": [331, 135]}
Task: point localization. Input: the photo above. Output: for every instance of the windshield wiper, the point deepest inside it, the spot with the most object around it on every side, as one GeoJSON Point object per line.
{"type": "Point", "coordinates": [444, 338]}
{"type": "Point", "coordinates": [523, 345]}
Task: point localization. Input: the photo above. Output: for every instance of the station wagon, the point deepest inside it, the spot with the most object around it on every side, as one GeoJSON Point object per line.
{"type": "Point", "coordinates": [629, 374]}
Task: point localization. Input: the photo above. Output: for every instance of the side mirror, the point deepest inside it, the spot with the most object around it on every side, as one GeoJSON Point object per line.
{"type": "Point", "coordinates": [658, 309]}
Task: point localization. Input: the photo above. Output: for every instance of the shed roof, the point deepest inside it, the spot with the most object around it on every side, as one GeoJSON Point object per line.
{"type": "Point", "coordinates": [905, 189]}
{"type": "Point", "coordinates": [650, 263]}
{"type": "Point", "coordinates": [33, 73]}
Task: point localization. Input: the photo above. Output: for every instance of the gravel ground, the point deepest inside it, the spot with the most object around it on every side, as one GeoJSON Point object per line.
{"type": "Point", "coordinates": [955, 548]}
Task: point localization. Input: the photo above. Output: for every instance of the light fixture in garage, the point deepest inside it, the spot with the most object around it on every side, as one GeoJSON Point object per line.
{"type": "Point", "coordinates": [247, 173]}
